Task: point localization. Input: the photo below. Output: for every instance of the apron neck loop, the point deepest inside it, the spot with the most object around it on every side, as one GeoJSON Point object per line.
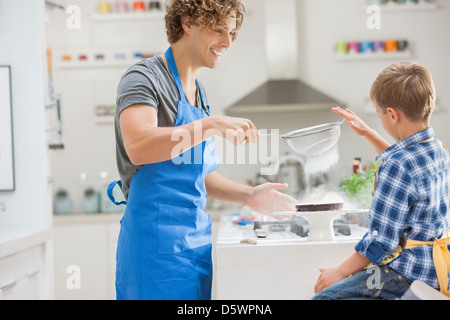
{"type": "Point", "coordinates": [174, 70]}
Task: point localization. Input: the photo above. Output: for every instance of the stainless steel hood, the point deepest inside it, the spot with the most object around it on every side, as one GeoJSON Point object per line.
{"type": "Point", "coordinates": [284, 91]}
{"type": "Point", "coordinates": [282, 96]}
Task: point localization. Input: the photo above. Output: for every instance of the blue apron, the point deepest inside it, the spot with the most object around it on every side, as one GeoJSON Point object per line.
{"type": "Point", "coordinates": [164, 246]}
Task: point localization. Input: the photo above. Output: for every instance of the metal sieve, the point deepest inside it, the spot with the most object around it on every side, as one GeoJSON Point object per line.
{"type": "Point", "coordinates": [314, 140]}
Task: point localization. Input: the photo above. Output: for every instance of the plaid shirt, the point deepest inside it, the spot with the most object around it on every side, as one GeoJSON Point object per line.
{"type": "Point", "coordinates": [411, 199]}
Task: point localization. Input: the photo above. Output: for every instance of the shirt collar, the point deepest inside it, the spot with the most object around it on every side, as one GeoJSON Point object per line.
{"type": "Point", "coordinates": [411, 140]}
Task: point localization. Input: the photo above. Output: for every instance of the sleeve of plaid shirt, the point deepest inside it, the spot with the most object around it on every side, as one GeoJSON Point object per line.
{"type": "Point", "coordinates": [393, 198]}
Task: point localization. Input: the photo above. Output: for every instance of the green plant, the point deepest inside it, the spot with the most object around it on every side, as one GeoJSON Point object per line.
{"type": "Point", "coordinates": [359, 187]}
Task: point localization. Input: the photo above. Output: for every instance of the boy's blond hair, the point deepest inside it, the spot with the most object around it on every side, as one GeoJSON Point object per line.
{"type": "Point", "coordinates": [407, 87]}
{"type": "Point", "coordinates": [208, 13]}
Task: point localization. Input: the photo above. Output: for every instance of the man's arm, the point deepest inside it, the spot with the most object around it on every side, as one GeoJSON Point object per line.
{"type": "Point", "coordinates": [146, 143]}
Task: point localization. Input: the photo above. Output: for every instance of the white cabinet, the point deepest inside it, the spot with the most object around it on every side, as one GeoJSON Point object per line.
{"type": "Point", "coordinates": [85, 251]}
{"type": "Point", "coordinates": [21, 274]}
{"type": "Point", "coordinates": [25, 272]}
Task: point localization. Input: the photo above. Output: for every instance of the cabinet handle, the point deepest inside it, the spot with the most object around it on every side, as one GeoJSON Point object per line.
{"type": "Point", "coordinates": [9, 286]}
{"type": "Point", "coordinates": [33, 273]}
{"type": "Point", "coordinates": [14, 283]}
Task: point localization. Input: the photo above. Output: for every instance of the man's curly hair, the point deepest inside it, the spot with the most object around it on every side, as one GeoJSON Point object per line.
{"type": "Point", "coordinates": [208, 13]}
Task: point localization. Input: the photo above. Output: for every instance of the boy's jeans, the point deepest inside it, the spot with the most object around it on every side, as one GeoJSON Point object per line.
{"type": "Point", "coordinates": [374, 283]}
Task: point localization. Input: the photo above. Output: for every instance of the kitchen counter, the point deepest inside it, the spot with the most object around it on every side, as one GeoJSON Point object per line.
{"type": "Point", "coordinates": [13, 241]}
{"type": "Point", "coordinates": [281, 266]}
{"type": "Point", "coordinates": [81, 217]}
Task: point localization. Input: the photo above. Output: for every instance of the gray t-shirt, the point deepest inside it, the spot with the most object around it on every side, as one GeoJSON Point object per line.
{"type": "Point", "coordinates": [149, 83]}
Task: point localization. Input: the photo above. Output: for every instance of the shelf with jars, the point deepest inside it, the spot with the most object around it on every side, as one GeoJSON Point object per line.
{"type": "Point", "coordinates": [404, 5]}
{"type": "Point", "coordinates": [372, 50]}
{"type": "Point", "coordinates": [125, 11]}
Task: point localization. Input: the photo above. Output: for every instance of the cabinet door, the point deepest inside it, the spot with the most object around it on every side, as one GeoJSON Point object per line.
{"type": "Point", "coordinates": [81, 260]}
{"type": "Point", "coordinates": [21, 275]}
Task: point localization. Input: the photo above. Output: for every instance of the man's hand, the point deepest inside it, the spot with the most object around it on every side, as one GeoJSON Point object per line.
{"type": "Point", "coordinates": [266, 199]}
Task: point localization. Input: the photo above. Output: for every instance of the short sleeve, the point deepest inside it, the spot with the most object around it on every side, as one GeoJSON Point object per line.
{"type": "Point", "coordinates": [136, 87]}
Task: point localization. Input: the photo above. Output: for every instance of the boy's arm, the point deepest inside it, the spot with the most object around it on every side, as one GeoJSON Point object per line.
{"type": "Point", "coordinates": [362, 129]}
{"type": "Point", "coordinates": [356, 262]}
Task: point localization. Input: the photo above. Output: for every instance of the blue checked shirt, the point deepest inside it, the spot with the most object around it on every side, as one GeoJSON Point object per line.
{"type": "Point", "coordinates": [411, 199]}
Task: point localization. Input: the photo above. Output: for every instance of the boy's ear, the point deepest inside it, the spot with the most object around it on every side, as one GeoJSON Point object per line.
{"type": "Point", "coordinates": [394, 114]}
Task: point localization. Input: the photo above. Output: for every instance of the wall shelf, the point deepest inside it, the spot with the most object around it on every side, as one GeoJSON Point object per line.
{"type": "Point", "coordinates": [96, 64]}
{"type": "Point", "coordinates": [128, 16]}
{"type": "Point", "coordinates": [374, 56]}
{"type": "Point", "coordinates": [104, 120]}
{"type": "Point", "coordinates": [405, 7]}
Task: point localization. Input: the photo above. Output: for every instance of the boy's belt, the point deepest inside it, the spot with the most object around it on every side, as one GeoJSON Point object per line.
{"type": "Point", "coordinates": [441, 255]}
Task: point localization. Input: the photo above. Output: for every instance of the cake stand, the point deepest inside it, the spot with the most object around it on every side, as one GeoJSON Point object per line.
{"type": "Point", "coordinates": [321, 222]}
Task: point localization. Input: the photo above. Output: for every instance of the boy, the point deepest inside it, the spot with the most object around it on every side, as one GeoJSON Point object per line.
{"type": "Point", "coordinates": [411, 196]}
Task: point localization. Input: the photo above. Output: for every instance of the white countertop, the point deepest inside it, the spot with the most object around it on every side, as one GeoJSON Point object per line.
{"type": "Point", "coordinates": [81, 217]}
{"type": "Point", "coordinates": [12, 241]}
{"type": "Point", "coordinates": [230, 234]}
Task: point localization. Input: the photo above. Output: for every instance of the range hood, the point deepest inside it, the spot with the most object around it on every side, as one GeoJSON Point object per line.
{"type": "Point", "coordinates": [284, 91]}
{"type": "Point", "coordinates": [283, 96]}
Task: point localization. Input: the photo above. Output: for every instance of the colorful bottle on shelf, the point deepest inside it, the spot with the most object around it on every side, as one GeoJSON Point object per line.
{"type": "Point", "coordinates": [138, 6]}
{"type": "Point", "coordinates": [104, 7]}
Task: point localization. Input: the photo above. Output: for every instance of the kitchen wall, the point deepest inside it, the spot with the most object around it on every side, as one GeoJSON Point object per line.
{"type": "Point", "coordinates": [89, 144]}
{"type": "Point", "coordinates": [23, 48]}
{"type": "Point", "coordinates": [324, 22]}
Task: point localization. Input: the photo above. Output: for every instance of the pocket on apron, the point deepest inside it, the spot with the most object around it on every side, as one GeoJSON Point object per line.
{"type": "Point", "coordinates": [183, 231]}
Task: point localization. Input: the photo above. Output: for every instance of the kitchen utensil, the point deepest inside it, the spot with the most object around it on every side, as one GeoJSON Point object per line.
{"type": "Point", "coordinates": [314, 140]}
{"type": "Point", "coordinates": [122, 6]}
{"type": "Point", "coordinates": [62, 202]}
{"type": "Point", "coordinates": [354, 47]}
{"type": "Point", "coordinates": [321, 222]}
{"type": "Point", "coordinates": [342, 47]}
{"type": "Point", "coordinates": [390, 45]}
{"type": "Point", "coordinates": [154, 5]}
{"type": "Point", "coordinates": [104, 7]}
{"type": "Point", "coordinates": [366, 46]}
{"type": "Point", "coordinates": [402, 45]}
{"type": "Point", "coordinates": [138, 6]}
{"type": "Point", "coordinates": [378, 46]}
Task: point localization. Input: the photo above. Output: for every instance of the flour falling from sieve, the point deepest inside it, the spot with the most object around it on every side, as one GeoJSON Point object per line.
{"type": "Point", "coordinates": [322, 162]}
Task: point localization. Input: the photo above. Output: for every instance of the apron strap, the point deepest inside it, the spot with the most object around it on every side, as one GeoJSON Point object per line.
{"type": "Point", "coordinates": [202, 96]}
{"type": "Point", "coordinates": [176, 76]}
{"type": "Point", "coordinates": [110, 192]}
{"type": "Point", "coordinates": [441, 259]}
{"type": "Point", "coordinates": [174, 70]}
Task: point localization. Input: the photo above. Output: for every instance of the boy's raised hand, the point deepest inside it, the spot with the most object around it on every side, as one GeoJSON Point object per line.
{"type": "Point", "coordinates": [357, 125]}
{"type": "Point", "coordinates": [362, 129]}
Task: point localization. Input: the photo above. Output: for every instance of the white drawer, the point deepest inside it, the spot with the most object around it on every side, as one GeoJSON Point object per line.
{"type": "Point", "coordinates": [20, 274]}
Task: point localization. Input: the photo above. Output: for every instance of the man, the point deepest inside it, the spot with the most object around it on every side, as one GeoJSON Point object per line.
{"type": "Point", "coordinates": [164, 249]}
